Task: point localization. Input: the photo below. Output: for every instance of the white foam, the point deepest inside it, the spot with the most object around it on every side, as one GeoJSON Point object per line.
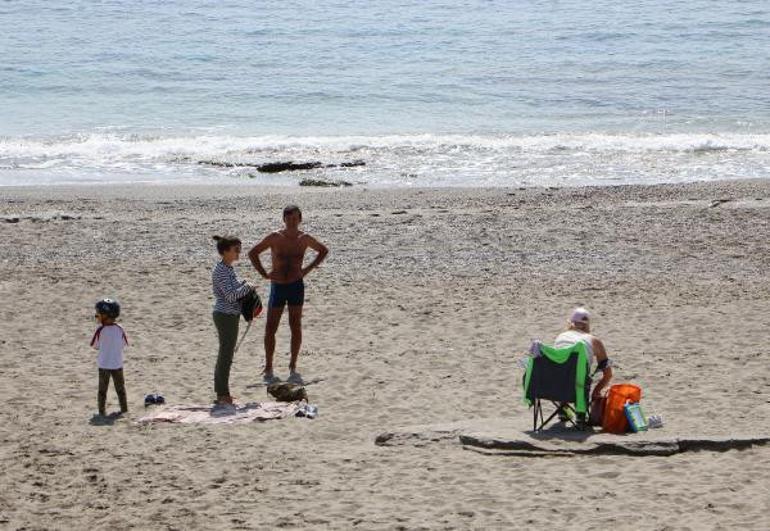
{"type": "Point", "coordinates": [394, 160]}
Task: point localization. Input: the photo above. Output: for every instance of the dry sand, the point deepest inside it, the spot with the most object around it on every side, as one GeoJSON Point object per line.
{"type": "Point", "coordinates": [414, 319]}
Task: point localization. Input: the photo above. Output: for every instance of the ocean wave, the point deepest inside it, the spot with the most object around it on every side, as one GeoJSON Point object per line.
{"type": "Point", "coordinates": [101, 147]}
{"type": "Point", "coordinates": [390, 160]}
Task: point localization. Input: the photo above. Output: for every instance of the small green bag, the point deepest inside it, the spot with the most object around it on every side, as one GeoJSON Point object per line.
{"type": "Point", "coordinates": [635, 416]}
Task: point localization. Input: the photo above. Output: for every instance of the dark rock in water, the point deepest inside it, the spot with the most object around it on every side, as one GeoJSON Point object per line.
{"type": "Point", "coordinates": [322, 183]}
{"type": "Point", "coordinates": [353, 164]}
{"type": "Point", "coordinates": [224, 164]}
{"type": "Point", "coordinates": [275, 167]}
{"type": "Point", "coordinates": [316, 182]}
{"type": "Point", "coordinates": [287, 392]}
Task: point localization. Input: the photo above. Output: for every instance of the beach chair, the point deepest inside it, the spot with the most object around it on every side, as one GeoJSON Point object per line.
{"type": "Point", "coordinates": [560, 376]}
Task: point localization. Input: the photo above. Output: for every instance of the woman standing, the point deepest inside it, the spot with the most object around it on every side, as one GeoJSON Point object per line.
{"type": "Point", "coordinates": [228, 290]}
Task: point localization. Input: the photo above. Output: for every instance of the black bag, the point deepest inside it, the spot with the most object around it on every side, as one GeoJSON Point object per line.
{"type": "Point", "coordinates": [251, 306]}
{"type": "Point", "coordinates": [287, 392]}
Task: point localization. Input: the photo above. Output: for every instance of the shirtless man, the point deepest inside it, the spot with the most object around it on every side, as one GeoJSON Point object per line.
{"type": "Point", "coordinates": [287, 286]}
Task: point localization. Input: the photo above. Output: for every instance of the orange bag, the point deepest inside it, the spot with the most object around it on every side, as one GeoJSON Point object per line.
{"type": "Point", "coordinates": [614, 420]}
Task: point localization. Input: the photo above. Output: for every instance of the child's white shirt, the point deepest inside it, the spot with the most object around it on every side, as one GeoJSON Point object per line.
{"type": "Point", "coordinates": [110, 340]}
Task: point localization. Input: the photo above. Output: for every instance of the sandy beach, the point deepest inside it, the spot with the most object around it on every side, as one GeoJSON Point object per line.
{"type": "Point", "coordinates": [416, 317]}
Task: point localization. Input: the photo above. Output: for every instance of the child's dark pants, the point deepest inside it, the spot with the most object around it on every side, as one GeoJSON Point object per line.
{"type": "Point", "coordinates": [120, 389]}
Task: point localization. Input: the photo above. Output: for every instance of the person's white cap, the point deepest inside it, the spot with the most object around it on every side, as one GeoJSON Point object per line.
{"type": "Point", "coordinates": [580, 315]}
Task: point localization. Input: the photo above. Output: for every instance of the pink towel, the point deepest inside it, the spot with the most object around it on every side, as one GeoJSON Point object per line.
{"type": "Point", "coordinates": [235, 414]}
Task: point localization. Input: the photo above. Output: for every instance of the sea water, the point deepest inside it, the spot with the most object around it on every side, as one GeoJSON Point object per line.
{"type": "Point", "coordinates": [428, 93]}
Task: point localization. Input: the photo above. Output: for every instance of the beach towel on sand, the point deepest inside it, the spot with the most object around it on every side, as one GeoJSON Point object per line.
{"type": "Point", "coordinates": [235, 414]}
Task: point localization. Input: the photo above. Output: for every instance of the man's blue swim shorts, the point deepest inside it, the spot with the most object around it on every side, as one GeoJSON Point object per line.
{"type": "Point", "coordinates": [292, 294]}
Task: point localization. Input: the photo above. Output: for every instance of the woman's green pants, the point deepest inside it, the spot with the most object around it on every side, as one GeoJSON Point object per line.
{"type": "Point", "coordinates": [227, 328]}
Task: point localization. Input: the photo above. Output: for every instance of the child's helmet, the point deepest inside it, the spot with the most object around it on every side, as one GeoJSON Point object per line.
{"type": "Point", "coordinates": [108, 307]}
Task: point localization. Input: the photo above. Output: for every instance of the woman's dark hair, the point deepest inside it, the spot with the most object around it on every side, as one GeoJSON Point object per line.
{"type": "Point", "coordinates": [224, 243]}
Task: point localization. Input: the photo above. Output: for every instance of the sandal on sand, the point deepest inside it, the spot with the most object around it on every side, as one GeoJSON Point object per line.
{"type": "Point", "coordinates": [270, 378]}
{"type": "Point", "coordinates": [295, 378]}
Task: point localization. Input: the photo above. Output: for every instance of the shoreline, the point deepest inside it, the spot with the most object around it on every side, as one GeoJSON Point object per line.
{"type": "Point", "coordinates": [246, 186]}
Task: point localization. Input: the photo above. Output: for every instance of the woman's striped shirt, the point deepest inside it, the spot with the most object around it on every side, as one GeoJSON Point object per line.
{"type": "Point", "coordinates": [227, 289]}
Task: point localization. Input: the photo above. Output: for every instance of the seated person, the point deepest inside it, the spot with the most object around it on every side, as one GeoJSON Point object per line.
{"type": "Point", "coordinates": [579, 329]}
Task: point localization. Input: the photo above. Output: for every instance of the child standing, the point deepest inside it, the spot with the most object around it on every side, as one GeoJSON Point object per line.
{"type": "Point", "coordinates": [110, 340]}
